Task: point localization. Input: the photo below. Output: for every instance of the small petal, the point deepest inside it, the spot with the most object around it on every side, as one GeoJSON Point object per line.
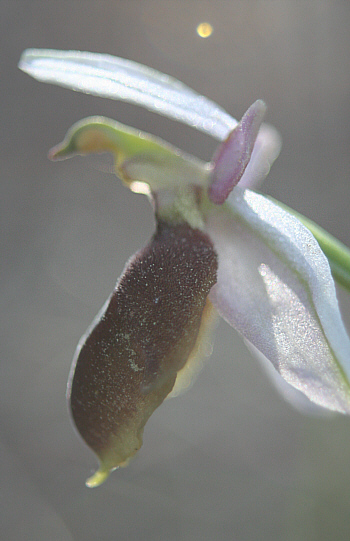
{"type": "Point", "coordinates": [232, 156]}
{"type": "Point", "coordinates": [266, 149]}
{"type": "Point", "coordinates": [275, 287]}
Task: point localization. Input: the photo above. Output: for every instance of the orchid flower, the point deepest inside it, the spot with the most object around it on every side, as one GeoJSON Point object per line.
{"type": "Point", "coordinates": [219, 247]}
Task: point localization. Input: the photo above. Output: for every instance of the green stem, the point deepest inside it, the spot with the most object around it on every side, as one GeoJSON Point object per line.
{"type": "Point", "coordinates": [337, 253]}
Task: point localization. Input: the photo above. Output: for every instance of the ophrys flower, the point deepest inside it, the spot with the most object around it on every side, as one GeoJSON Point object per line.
{"type": "Point", "coordinates": [218, 246]}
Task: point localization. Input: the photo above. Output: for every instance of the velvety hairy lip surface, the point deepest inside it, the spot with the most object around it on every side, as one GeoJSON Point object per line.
{"type": "Point", "coordinates": [129, 361]}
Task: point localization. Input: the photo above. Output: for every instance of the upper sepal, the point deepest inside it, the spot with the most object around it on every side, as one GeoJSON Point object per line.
{"type": "Point", "coordinates": [121, 79]}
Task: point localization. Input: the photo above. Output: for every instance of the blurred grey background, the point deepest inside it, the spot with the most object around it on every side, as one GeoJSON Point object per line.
{"type": "Point", "coordinates": [229, 460]}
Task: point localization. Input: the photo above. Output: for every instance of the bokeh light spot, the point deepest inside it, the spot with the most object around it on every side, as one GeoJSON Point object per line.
{"type": "Point", "coordinates": [204, 30]}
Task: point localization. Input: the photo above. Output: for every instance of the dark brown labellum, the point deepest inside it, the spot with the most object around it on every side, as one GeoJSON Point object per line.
{"type": "Point", "coordinates": [128, 363]}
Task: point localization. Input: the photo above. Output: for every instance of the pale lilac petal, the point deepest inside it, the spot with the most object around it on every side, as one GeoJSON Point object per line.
{"type": "Point", "coordinates": [233, 155]}
{"type": "Point", "coordinates": [275, 287]}
{"type": "Point", "coordinates": [119, 79]}
{"type": "Point", "coordinates": [295, 398]}
{"type": "Point", "coordinates": [266, 149]}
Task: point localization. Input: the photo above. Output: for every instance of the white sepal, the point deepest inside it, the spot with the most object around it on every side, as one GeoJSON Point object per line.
{"type": "Point", "coordinates": [275, 287]}
{"type": "Point", "coordinates": [120, 79]}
